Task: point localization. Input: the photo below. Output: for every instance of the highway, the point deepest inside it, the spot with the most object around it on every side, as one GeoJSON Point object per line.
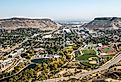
{"type": "Point", "coordinates": [111, 62]}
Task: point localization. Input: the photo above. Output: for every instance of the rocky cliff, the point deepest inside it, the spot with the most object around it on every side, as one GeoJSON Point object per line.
{"type": "Point", "coordinates": [14, 23]}
{"type": "Point", "coordinates": [104, 22]}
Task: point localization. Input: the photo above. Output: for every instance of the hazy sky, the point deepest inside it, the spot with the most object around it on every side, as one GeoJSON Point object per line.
{"type": "Point", "coordinates": [60, 9]}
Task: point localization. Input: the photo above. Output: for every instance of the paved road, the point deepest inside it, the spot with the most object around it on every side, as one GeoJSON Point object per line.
{"type": "Point", "coordinates": [1, 79]}
{"type": "Point", "coordinates": [19, 44]}
{"type": "Point", "coordinates": [111, 62]}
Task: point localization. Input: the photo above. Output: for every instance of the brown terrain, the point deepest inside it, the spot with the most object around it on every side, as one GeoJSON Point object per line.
{"type": "Point", "coordinates": [104, 22]}
{"type": "Point", "coordinates": [14, 23]}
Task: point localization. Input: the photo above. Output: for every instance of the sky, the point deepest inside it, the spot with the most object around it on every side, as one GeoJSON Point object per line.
{"type": "Point", "coordinates": [60, 9]}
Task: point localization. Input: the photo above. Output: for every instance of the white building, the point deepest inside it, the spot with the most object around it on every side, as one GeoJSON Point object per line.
{"type": "Point", "coordinates": [47, 36]}
{"type": "Point", "coordinates": [67, 30]}
{"type": "Point", "coordinates": [4, 63]}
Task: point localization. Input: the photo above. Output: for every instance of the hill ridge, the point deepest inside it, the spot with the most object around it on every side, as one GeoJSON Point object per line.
{"type": "Point", "coordinates": [104, 22]}
{"type": "Point", "coordinates": [14, 23]}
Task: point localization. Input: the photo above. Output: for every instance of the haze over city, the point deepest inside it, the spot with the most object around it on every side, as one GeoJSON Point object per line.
{"type": "Point", "coordinates": [60, 9]}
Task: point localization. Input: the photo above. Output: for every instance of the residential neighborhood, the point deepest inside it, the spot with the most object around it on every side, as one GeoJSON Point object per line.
{"type": "Point", "coordinates": [69, 50]}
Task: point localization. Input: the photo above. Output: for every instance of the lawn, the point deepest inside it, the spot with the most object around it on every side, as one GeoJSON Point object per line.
{"type": "Point", "coordinates": [106, 50]}
{"type": "Point", "coordinates": [85, 57]}
{"type": "Point", "coordinates": [87, 53]}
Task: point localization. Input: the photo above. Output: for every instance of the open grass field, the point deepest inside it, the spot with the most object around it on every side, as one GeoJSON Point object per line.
{"type": "Point", "coordinates": [107, 49]}
{"type": "Point", "coordinates": [87, 53]}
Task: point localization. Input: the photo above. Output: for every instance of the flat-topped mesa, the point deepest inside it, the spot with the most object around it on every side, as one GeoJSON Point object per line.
{"type": "Point", "coordinates": [14, 23]}
{"type": "Point", "coordinates": [106, 18]}
{"type": "Point", "coordinates": [15, 18]}
{"type": "Point", "coordinates": [105, 23]}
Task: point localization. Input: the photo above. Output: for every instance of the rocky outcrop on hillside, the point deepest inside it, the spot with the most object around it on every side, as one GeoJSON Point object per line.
{"type": "Point", "coordinates": [14, 23]}
{"type": "Point", "coordinates": [104, 22]}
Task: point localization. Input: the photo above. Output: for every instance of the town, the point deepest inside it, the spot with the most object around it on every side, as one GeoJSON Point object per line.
{"type": "Point", "coordinates": [60, 41]}
{"type": "Point", "coordinates": [32, 54]}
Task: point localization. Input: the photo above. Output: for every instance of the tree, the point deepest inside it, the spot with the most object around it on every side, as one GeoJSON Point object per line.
{"type": "Point", "coordinates": [55, 66]}
{"type": "Point", "coordinates": [11, 80]}
{"type": "Point", "coordinates": [68, 56]}
{"type": "Point", "coordinates": [45, 66]}
{"type": "Point", "coordinates": [38, 68]}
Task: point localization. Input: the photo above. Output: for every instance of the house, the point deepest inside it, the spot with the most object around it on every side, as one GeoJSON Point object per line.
{"type": "Point", "coordinates": [20, 51]}
{"type": "Point", "coordinates": [4, 63]}
{"type": "Point", "coordinates": [53, 56]}
{"type": "Point", "coordinates": [13, 54]}
{"type": "Point", "coordinates": [99, 45]}
{"type": "Point", "coordinates": [67, 30]}
{"type": "Point", "coordinates": [47, 36]}
{"type": "Point", "coordinates": [39, 50]}
{"type": "Point", "coordinates": [103, 54]}
{"type": "Point", "coordinates": [69, 42]}
{"type": "Point", "coordinates": [56, 56]}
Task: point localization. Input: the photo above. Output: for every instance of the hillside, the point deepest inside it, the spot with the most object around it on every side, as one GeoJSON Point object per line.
{"type": "Point", "coordinates": [14, 23]}
{"type": "Point", "coordinates": [104, 22]}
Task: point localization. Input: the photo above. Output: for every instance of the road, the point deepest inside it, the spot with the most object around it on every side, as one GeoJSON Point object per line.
{"type": "Point", "coordinates": [1, 79]}
{"type": "Point", "coordinates": [111, 62]}
{"type": "Point", "coordinates": [19, 44]}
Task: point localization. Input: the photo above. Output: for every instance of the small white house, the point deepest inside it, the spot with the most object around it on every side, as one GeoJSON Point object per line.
{"type": "Point", "coordinates": [13, 54]}
{"type": "Point", "coordinates": [67, 30]}
{"type": "Point", "coordinates": [103, 54]}
{"type": "Point", "coordinates": [47, 36]}
{"type": "Point", "coordinates": [56, 56]}
{"type": "Point", "coordinates": [100, 44]}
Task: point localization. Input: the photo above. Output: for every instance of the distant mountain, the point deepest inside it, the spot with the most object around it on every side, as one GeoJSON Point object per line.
{"type": "Point", "coordinates": [14, 23]}
{"type": "Point", "coordinates": [104, 22]}
{"type": "Point", "coordinates": [70, 22]}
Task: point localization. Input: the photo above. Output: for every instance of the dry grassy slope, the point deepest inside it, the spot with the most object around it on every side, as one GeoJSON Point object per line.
{"type": "Point", "coordinates": [14, 23]}
{"type": "Point", "coordinates": [104, 22]}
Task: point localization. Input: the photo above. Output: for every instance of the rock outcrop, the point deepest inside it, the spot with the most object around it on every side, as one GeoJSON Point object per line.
{"type": "Point", "coordinates": [104, 22]}
{"type": "Point", "coordinates": [14, 23]}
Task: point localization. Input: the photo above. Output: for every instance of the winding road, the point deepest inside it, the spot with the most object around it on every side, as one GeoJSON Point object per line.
{"type": "Point", "coordinates": [111, 62]}
{"type": "Point", "coordinates": [19, 44]}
